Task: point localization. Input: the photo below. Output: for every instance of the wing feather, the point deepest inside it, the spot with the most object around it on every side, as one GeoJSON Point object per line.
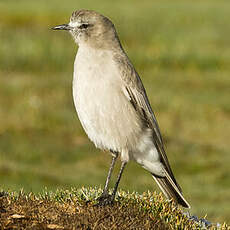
{"type": "Point", "coordinates": [139, 99]}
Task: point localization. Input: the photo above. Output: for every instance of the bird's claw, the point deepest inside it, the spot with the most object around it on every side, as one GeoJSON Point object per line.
{"type": "Point", "coordinates": [105, 199]}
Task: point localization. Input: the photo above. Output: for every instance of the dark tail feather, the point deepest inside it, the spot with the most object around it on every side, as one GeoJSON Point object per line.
{"type": "Point", "coordinates": [170, 190]}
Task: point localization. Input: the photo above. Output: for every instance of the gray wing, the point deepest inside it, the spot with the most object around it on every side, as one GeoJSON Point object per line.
{"type": "Point", "coordinates": [140, 102]}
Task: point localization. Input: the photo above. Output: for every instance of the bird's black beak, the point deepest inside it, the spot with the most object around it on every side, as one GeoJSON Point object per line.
{"type": "Point", "coordinates": [62, 27]}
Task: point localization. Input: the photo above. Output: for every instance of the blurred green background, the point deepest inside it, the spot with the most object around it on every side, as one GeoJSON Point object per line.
{"type": "Point", "coordinates": [181, 50]}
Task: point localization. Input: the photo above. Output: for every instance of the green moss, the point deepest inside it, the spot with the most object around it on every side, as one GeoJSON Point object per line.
{"type": "Point", "coordinates": [77, 209]}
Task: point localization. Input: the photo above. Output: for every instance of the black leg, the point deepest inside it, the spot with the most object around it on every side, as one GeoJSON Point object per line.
{"type": "Point", "coordinates": [106, 198]}
{"type": "Point", "coordinates": [123, 164]}
{"type": "Point", "coordinates": [105, 190]}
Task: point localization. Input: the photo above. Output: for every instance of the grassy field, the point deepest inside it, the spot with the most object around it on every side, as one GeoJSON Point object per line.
{"type": "Point", "coordinates": [181, 50]}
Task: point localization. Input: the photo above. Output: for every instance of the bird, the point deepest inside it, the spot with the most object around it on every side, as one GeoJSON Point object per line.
{"type": "Point", "coordinates": [112, 104]}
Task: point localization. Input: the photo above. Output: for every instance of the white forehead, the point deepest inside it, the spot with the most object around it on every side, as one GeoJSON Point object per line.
{"type": "Point", "coordinates": [74, 24]}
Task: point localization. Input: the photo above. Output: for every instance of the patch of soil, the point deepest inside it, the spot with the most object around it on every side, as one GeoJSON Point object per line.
{"type": "Point", "coordinates": [34, 213]}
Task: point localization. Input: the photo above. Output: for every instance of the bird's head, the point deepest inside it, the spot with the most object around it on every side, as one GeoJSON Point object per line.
{"type": "Point", "coordinates": [90, 28]}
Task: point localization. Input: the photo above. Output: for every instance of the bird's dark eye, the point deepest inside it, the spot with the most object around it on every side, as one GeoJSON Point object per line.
{"type": "Point", "coordinates": [84, 26]}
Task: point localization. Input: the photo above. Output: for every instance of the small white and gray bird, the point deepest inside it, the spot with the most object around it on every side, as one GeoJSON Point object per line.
{"type": "Point", "coordinates": [112, 104]}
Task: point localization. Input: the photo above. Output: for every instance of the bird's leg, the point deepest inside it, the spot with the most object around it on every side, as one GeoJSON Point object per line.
{"type": "Point", "coordinates": [105, 195]}
{"type": "Point", "coordinates": [106, 198]}
{"type": "Point", "coordinates": [114, 158]}
{"type": "Point", "coordinates": [123, 164]}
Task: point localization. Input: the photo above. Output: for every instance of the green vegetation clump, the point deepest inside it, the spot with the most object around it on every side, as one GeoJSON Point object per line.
{"type": "Point", "coordinates": [78, 209]}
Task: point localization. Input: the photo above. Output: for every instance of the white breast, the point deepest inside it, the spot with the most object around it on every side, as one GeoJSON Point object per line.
{"type": "Point", "coordinates": [104, 110]}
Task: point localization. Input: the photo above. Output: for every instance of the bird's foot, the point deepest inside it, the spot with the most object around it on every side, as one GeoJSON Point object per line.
{"type": "Point", "coordinates": [105, 199]}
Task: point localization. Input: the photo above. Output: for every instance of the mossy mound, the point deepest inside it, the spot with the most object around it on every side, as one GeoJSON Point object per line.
{"type": "Point", "coordinates": [77, 209]}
